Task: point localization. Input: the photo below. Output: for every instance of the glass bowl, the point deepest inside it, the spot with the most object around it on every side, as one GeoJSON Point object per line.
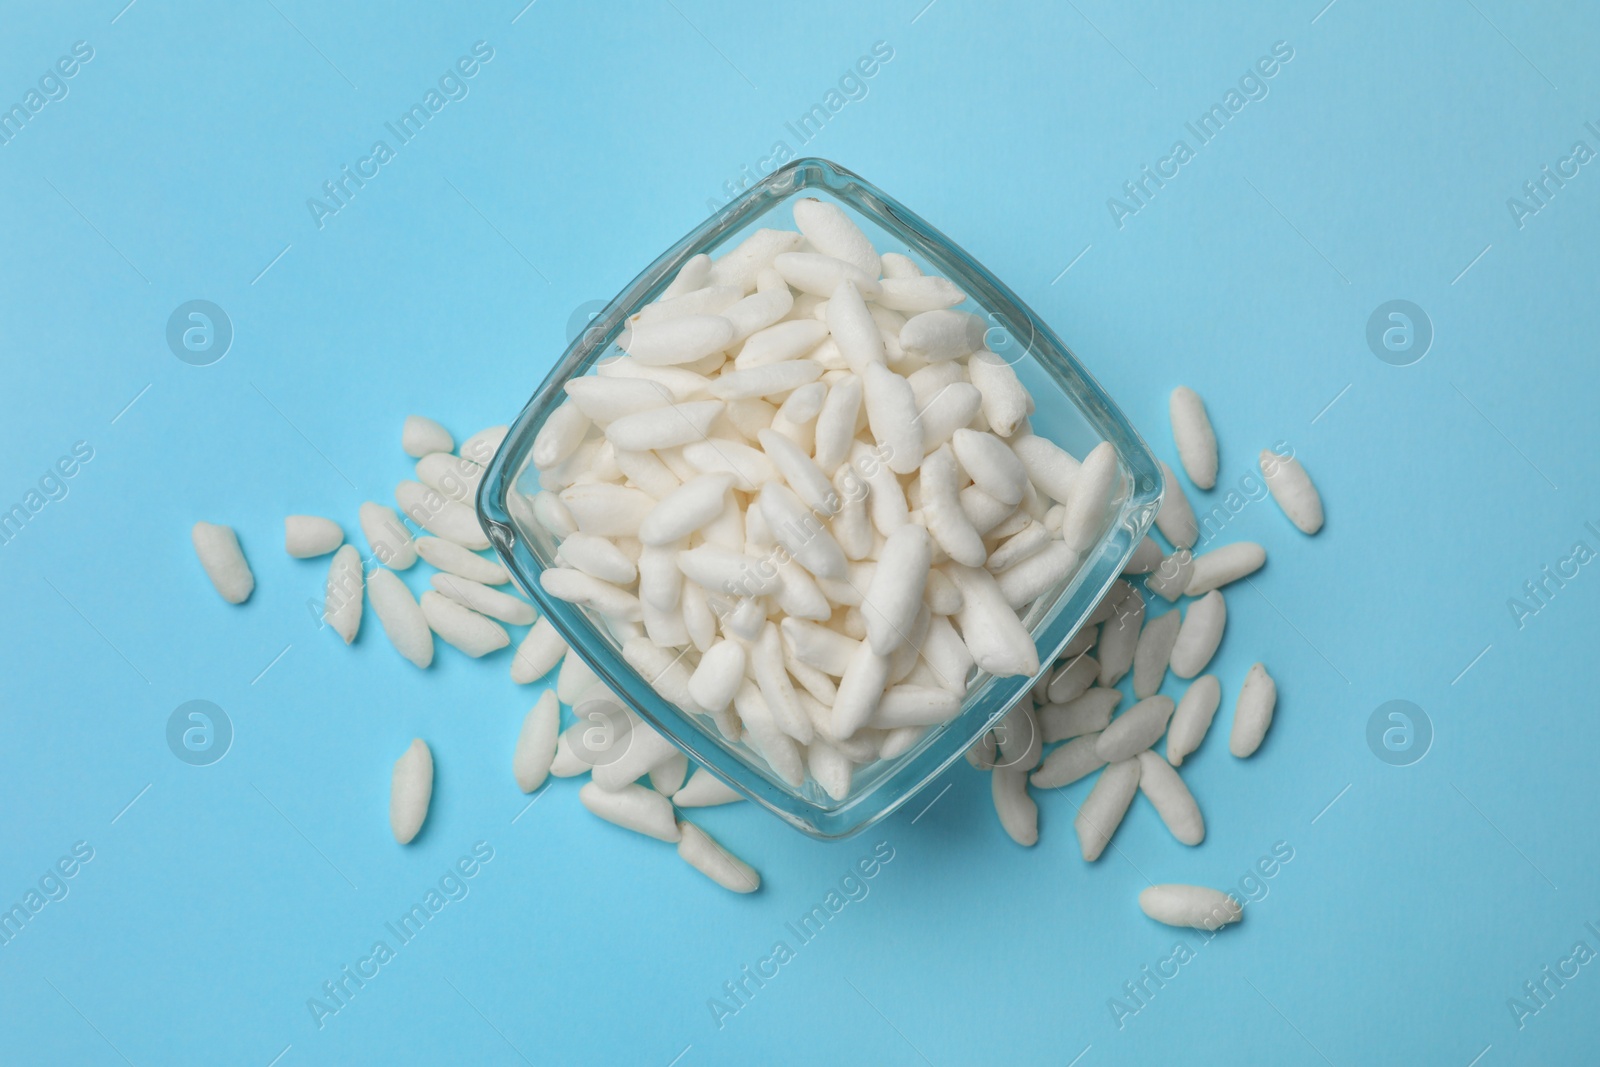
{"type": "Point", "coordinates": [1072, 410]}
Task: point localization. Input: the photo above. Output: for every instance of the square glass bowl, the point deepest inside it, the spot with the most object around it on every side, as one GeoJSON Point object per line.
{"type": "Point", "coordinates": [1072, 410]}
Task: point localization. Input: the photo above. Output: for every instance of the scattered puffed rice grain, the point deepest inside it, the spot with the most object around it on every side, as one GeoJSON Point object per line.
{"type": "Point", "coordinates": [1190, 905]}
{"type": "Point", "coordinates": [1154, 652]}
{"type": "Point", "coordinates": [1119, 637]}
{"type": "Point", "coordinates": [1072, 680]}
{"type": "Point", "coordinates": [387, 536]}
{"type": "Point", "coordinates": [400, 616]}
{"type": "Point", "coordinates": [1019, 815]}
{"type": "Point", "coordinates": [1175, 517]}
{"type": "Point", "coordinates": [462, 627]}
{"type": "Point", "coordinates": [574, 679]}
{"type": "Point", "coordinates": [1193, 718]}
{"type": "Point", "coordinates": [536, 743]}
{"type": "Point", "coordinates": [439, 515]}
{"type": "Point", "coordinates": [1135, 729]}
{"type": "Point", "coordinates": [983, 751]}
{"type": "Point", "coordinates": [1088, 714]}
{"type": "Point", "coordinates": [1068, 763]}
{"type": "Point", "coordinates": [1258, 697]}
{"type": "Point", "coordinates": [481, 446]}
{"type": "Point", "coordinates": [307, 536]}
{"type": "Point", "coordinates": [449, 556]}
{"type": "Point", "coordinates": [1102, 810]}
{"type": "Point", "coordinates": [1215, 569]}
{"type": "Point", "coordinates": [223, 560]}
{"type": "Point", "coordinates": [1019, 739]}
{"type": "Point", "coordinates": [342, 605]}
{"type": "Point", "coordinates": [484, 599]}
{"type": "Point", "coordinates": [453, 476]}
{"type": "Point", "coordinates": [1199, 635]}
{"type": "Point", "coordinates": [1171, 798]}
{"type": "Point", "coordinates": [421, 435]}
{"type": "Point", "coordinates": [1146, 558]}
{"type": "Point", "coordinates": [1196, 441]}
{"type": "Point", "coordinates": [633, 807]}
{"type": "Point", "coordinates": [705, 855]}
{"type": "Point", "coordinates": [645, 750]}
{"type": "Point", "coordinates": [1292, 488]}
{"type": "Point", "coordinates": [410, 791]}
{"type": "Point", "coordinates": [1171, 576]}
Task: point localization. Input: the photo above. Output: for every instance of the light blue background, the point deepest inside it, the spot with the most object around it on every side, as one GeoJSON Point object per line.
{"type": "Point", "coordinates": [1377, 168]}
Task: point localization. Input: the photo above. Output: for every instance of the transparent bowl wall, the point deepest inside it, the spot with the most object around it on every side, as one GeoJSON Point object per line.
{"type": "Point", "coordinates": [1072, 410]}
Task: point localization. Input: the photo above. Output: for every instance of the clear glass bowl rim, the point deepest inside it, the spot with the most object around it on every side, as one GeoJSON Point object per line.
{"type": "Point", "coordinates": [992, 697]}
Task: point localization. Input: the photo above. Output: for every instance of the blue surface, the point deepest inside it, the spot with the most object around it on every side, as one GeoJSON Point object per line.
{"type": "Point", "coordinates": [1377, 167]}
